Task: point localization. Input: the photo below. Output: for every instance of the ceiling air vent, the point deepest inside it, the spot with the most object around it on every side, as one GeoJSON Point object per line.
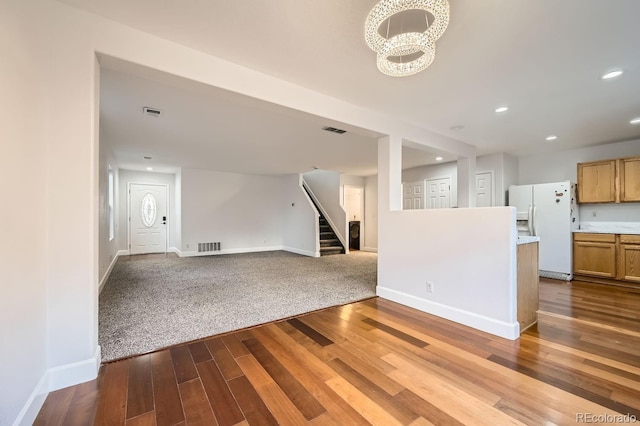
{"type": "Point", "coordinates": [334, 130]}
{"type": "Point", "coordinates": [152, 112]}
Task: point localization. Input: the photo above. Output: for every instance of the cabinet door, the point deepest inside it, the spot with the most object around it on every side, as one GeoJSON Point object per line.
{"type": "Point", "coordinates": [630, 179]}
{"type": "Point", "coordinates": [596, 182]}
{"type": "Point", "coordinates": [629, 262]}
{"type": "Point", "coordinates": [597, 259]}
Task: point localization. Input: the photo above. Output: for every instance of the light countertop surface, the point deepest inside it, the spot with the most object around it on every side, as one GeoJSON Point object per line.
{"type": "Point", "coordinates": [522, 239]}
{"type": "Point", "coordinates": [610, 227]}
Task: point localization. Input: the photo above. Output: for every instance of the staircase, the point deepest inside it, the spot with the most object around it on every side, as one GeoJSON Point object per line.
{"type": "Point", "coordinates": [329, 242]}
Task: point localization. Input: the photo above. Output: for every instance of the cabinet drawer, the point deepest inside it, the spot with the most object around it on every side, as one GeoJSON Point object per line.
{"type": "Point", "coordinates": [629, 239]}
{"type": "Point", "coordinates": [598, 238]}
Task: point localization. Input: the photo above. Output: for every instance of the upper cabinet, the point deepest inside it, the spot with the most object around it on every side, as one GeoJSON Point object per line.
{"type": "Point", "coordinates": [609, 181]}
{"type": "Point", "coordinates": [597, 182]}
{"type": "Point", "coordinates": [629, 179]}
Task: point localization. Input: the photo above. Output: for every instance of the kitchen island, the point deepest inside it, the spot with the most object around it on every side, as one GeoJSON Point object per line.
{"type": "Point", "coordinates": [528, 280]}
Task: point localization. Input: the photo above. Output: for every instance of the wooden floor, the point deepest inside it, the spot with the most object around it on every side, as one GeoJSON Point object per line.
{"type": "Point", "coordinates": [377, 362]}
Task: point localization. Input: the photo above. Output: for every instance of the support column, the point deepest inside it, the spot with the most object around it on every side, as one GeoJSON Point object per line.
{"type": "Point", "coordinates": [389, 174]}
{"type": "Point", "coordinates": [466, 181]}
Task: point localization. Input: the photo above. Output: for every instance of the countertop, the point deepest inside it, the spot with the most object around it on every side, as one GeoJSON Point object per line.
{"type": "Point", "coordinates": [522, 239]}
{"type": "Point", "coordinates": [610, 227]}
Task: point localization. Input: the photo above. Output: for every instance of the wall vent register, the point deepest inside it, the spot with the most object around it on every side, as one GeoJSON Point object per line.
{"type": "Point", "coordinates": [334, 130]}
{"type": "Point", "coordinates": [152, 112]}
{"type": "Point", "coordinates": [205, 247]}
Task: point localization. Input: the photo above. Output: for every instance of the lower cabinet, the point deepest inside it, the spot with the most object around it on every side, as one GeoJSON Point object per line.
{"type": "Point", "coordinates": [594, 254]}
{"type": "Point", "coordinates": [607, 256]}
{"type": "Point", "coordinates": [629, 258]}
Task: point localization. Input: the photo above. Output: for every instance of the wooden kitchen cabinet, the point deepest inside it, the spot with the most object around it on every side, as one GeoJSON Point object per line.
{"type": "Point", "coordinates": [629, 258]}
{"type": "Point", "coordinates": [609, 181]}
{"type": "Point", "coordinates": [597, 182]}
{"type": "Point", "coordinates": [528, 282]}
{"type": "Point", "coordinates": [629, 172]}
{"type": "Point", "coordinates": [594, 255]}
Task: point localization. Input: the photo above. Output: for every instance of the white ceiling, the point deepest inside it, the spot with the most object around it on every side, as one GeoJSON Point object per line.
{"type": "Point", "coordinates": [542, 58]}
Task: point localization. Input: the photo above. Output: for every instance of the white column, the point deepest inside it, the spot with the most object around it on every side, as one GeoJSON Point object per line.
{"type": "Point", "coordinates": [389, 174]}
{"type": "Point", "coordinates": [466, 181]}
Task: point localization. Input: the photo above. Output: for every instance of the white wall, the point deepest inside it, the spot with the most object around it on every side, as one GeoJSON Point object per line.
{"type": "Point", "coordinates": [23, 185]}
{"type": "Point", "coordinates": [242, 212]}
{"type": "Point", "coordinates": [563, 165]}
{"type": "Point", "coordinates": [435, 171]}
{"type": "Point", "coordinates": [133, 176]}
{"type": "Point", "coordinates": [108, 249]}
{"type": "Point", "coordinates": [177, 213]}
{"type": "Point", "coordinates": [495, 164]}
{"type": "Point", "coordinates": [371, 214]}
{"type": "Point", "coordinates": [325, 185]}
{"type": "Point", "coordinates": [299, 218]}
{"type": "Point", "coordinates": [510, 175]}
{"type": "Point", "coordinates": [505, 173]}
{"type": "Point", "coordinates": [468, 254]}
{"type": "Point", "coordinates": [52, 85]}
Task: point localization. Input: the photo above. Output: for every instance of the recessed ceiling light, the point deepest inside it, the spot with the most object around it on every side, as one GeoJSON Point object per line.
{"type": "Point", "coordinates": [149, 169]}
{"type": "Point", "coordinates": [147, 158]}
{"type": "Point", "coordinates": [612, 74]}
{"type": "Point", "coordinates": [458, 127]}
{"type": "Point", "coordinates": [438, 158]}
{"type": "Point", "coordinates": [502, 109]}
{"type": "Point", "coordinates": [552, 138]}
{"type": "Point", "coordinates": [635, 121]}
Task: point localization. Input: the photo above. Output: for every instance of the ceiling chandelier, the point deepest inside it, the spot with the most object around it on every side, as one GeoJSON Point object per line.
{"type": "Point", "coordinates": [418, 47]}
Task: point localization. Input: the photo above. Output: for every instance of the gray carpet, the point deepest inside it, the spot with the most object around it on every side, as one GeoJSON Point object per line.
{"type": "Point", "coordinates": [151, 304]}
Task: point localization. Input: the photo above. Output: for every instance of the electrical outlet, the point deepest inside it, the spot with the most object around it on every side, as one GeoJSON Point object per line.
{"type": "Point", "coordinates": [429, 286]}
{"type": "Point", "coordinates": [594, 213]}
{"type": "Point", "coordinates": [187, 245]}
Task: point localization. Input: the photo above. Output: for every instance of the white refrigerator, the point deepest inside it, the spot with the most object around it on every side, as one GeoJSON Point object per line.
{"type": "Point", "coordinates": [548, 211]}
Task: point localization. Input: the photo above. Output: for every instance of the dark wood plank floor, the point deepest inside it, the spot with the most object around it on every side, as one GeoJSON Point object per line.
{"type": "Point", "coordinates": [377, 362]}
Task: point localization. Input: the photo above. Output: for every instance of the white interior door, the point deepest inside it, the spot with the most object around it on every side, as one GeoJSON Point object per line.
{"type": "Point", "coordinates": [412, 195]}
{"type": "Point", "coordinates": [439, 193]}
{"type": "Point", "coordinates": [147, 218]}
{"type": "Point", "coordinates": [484, 190]}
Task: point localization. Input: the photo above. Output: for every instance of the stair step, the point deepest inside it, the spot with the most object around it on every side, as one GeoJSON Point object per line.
{"type": "Point", "coordinates": [327, 236]}
{"type": "Point", "coordinates": [328, 243]}
{"type": "Point", "coordinates": [326, 251]}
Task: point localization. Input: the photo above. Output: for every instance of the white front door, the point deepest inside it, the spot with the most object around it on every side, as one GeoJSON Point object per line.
{"type": "Point", "coordinates": [484, 189]}
{"type": "Point", "coordinates": [412, 195]}
{"type": "Point", "coordinates": [147, 218]}
{"type": "Point", "coordinates": [439, 193]}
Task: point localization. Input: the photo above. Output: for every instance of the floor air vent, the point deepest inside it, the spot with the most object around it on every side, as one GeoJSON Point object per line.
{"type": "Point", "coordinates": [204, 247]}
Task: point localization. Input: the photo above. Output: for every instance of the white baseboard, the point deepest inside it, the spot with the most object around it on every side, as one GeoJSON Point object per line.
{"type": "Point", "coordinates": [123, 253]}
{"type": "Point", "coordinates": [104, 279]}
{"type": "Point", "coordinates": [175, 250]}
{"type": "Point", "coordinates": [33, 405]}
{"type": "Point", "coordinates": [54, 379]}
{"type": "Point", "coordinates": [229, 251]}
{"type": "Point", "coordinates": [74, 373]}
{"type": "Point", "coordinates": [493, 326]}
{"type": "Point", "coordinates": [302, 252]}
{"type": "Point", "coordinates": [370, 249]}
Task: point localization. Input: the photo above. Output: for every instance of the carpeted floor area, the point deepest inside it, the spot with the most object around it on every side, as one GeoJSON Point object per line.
{"type": "Point", "coordinates": [154, 303]}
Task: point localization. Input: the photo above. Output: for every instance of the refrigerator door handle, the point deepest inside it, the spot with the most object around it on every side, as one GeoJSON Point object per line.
{"type": "Point", "coordinates": [530, 221]}
{"type": "Point", "coordinates": [533, 219]}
